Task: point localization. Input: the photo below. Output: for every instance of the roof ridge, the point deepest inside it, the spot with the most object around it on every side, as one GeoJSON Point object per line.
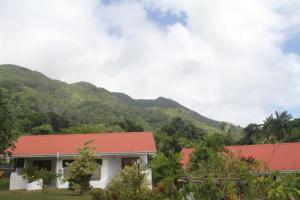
{"type": "Point", "coordinates": [72, 134]}
{"type": "Point", "coordinates": [251, 145]}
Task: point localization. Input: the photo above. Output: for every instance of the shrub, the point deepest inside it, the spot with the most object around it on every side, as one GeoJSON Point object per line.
{"type": "Point", "coordinates": [31, 173]}
{"type": "Point", "coordinates": [99, 194]}
{"type": "Point", "coordinates": [2, 173]}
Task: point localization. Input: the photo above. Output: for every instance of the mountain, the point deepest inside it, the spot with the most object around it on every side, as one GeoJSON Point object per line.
{"type": "Point", "coordinates": [84, 103]}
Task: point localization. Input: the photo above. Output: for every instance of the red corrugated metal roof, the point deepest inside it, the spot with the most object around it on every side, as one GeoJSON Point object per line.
{"type": "Point", "coordinates": [280, 156]}
{"type": "Point", "coordinates": [104, 143]}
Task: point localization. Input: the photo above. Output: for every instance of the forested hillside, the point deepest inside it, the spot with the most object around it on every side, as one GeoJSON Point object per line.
{"type": "Point", "coordinates": [43, 105]}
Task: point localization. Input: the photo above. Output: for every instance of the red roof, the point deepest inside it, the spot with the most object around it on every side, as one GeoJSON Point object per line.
{"type": "Point", "coordinates": [280, 156]}
{"type": "Point", "coordinates": [105, 143]}
{"type": "Point", "coordinates": [185, 154]}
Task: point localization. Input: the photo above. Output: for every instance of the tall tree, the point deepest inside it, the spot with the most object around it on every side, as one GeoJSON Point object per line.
{"type": "Point", "coordinates": [7, 134]}
{"type": "Point", "coordinates": [278, 126]}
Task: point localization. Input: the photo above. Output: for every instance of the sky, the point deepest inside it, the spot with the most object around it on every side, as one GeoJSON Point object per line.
{"type": "Point", "coordinates": [231, 60]}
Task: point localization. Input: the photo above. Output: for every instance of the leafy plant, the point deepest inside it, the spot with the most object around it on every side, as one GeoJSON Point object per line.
{"type": "Point", "coordinates": [129, 184]}
{"type": "Point", "coordinates": [81, 170]}
{"type": "Point", "coordinates": [31, 173]}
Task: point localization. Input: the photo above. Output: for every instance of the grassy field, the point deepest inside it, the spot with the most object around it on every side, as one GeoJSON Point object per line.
{"type": "Point", "coordinates": [51, 194]}
{"type": "Point", "coordinates": [4, 184]}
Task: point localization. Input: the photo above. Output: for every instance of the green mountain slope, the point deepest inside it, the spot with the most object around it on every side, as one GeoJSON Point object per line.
{"type": "Point", "coordinates": [84, 103]}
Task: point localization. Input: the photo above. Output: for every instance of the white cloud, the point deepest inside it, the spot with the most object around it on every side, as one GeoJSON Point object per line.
{"type": "Point", "coordinates": [226, 63]}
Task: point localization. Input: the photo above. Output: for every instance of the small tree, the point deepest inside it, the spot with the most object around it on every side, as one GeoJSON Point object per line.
{"type": "Point", "coordinates": [34, 173]}
{"type": "Point", "coordinates": [82, 168]}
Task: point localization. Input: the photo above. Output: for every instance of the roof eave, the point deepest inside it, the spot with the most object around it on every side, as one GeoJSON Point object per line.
{"type": "Point", "coordinates": [72, 155]}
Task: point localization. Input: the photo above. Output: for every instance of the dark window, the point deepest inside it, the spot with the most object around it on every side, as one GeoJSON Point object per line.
{"type": "Point", "coordinates": [129, 161]}
{"type": "Point", "coordinates": [97, 173]}
{"type": "Point", "coordinates": [99, 161]}
{"type": "Point", "coordinates": [42, 164]}
{"type": "Point", "coordinates": [66, 161]}
{"type": "Point", "coordinates": [19, 162]}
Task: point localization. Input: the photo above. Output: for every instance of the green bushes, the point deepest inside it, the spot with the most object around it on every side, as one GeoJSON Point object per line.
{"type": "Point", "coordinates": [128, 184]}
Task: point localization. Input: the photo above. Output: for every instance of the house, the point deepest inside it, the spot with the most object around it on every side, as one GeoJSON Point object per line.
{"type": "Point", "coordinates": [282, 157]}
{"type": "Point", "coordinates": [113, 151]}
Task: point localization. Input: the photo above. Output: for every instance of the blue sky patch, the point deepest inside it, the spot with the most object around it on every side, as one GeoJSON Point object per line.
{"type": "Point", "coordinates": [292, 45]}
{"type": "Point", "coordinates": [107, 2]}
{"type": "Point", "coordinates": [162, 18]}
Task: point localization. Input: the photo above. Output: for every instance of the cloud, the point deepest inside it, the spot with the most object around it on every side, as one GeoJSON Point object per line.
{"type": "Point", "coordinates": [225, 60]}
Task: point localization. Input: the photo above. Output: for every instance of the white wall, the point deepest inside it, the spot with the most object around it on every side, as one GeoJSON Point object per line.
{"type": "Point", "coordinates": [60, 183]}
{"type": "Point", "coordinates": [35, 185]}
{"type": "Point", "coordinates": [111, 165]}
{"type": "Point", "coordinates": [17, 182]}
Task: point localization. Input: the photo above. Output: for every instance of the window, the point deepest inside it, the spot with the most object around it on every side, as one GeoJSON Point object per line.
{"type": "Point", "coordinates": [66, 161]}
{"type": "Point", "coordinates": [99, 161]}
{"type": "Point", "coordinates": [128, 161]}
{"type": "Point", "coordinates": [65, 168]}
{"type": "Point", "coordinates": [97, 174]}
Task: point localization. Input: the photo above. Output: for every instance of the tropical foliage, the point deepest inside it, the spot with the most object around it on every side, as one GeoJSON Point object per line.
{"type": "Point", "coordinates": [280, 127]}
{"type": "Point", "coordinates": [40, 102]}
{"type": "Point", "coordinates": [7, 134]}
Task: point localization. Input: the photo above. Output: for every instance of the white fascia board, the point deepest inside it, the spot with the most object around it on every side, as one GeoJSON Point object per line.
{"type": "Point", "coordinates": [72, 155]}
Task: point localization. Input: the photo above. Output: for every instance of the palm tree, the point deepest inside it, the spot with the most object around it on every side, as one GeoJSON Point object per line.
{"type": "Point", "coordinates": [278, 126]}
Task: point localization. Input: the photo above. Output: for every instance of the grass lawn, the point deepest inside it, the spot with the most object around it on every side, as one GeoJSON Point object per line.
{"type": "Point", "coordinates": [51, 194]}
{"type": "Point", "coordinates": [4, 184]}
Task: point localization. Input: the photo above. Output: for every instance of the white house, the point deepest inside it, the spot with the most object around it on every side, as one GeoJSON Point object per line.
{"type": "Point", "coordinates": [52, 152]}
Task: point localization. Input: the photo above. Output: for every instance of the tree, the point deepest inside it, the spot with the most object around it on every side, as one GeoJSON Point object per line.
{"type": "Point", "coordinates": [7, 133]}
{"type": "Point", "coordinates": [130, 125]}
{"type": "Point", "coordinates": [252, 134]}
{"type": "Point", "coordinates": [42, 129]}
{"type": "Point", "coordinates": [82, 168]}
{"type": "Point", "coordinates": [182, 128]}
{"type": "Point", "coordinates": [168, 145]}
{"type": "Point", "coordinates": [210, 146]}
{"type": "Point", "coordinates": [166, 171]}
{"type": "Point", "coordinates": [278, 126]}
{"type": "Point", "coordinates": [176, 134]}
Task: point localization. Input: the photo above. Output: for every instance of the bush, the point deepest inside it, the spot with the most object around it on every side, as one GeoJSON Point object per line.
{"type": "Point", "coordinates": [2, 173]}
{"type": "Point", "coordinates": [99, 194]}
{"type": "Point", "coordinates": [31, 174]}
{"type": "Point", "coordinates": [129, 184]}
{"type": "Point", "coordinates": [42, 129]}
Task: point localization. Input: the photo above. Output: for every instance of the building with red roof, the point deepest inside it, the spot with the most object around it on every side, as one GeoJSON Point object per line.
{"type": "Point", "coordinates": [284, 157]}
{"type": "Point", "coordinates": [53, 152]}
